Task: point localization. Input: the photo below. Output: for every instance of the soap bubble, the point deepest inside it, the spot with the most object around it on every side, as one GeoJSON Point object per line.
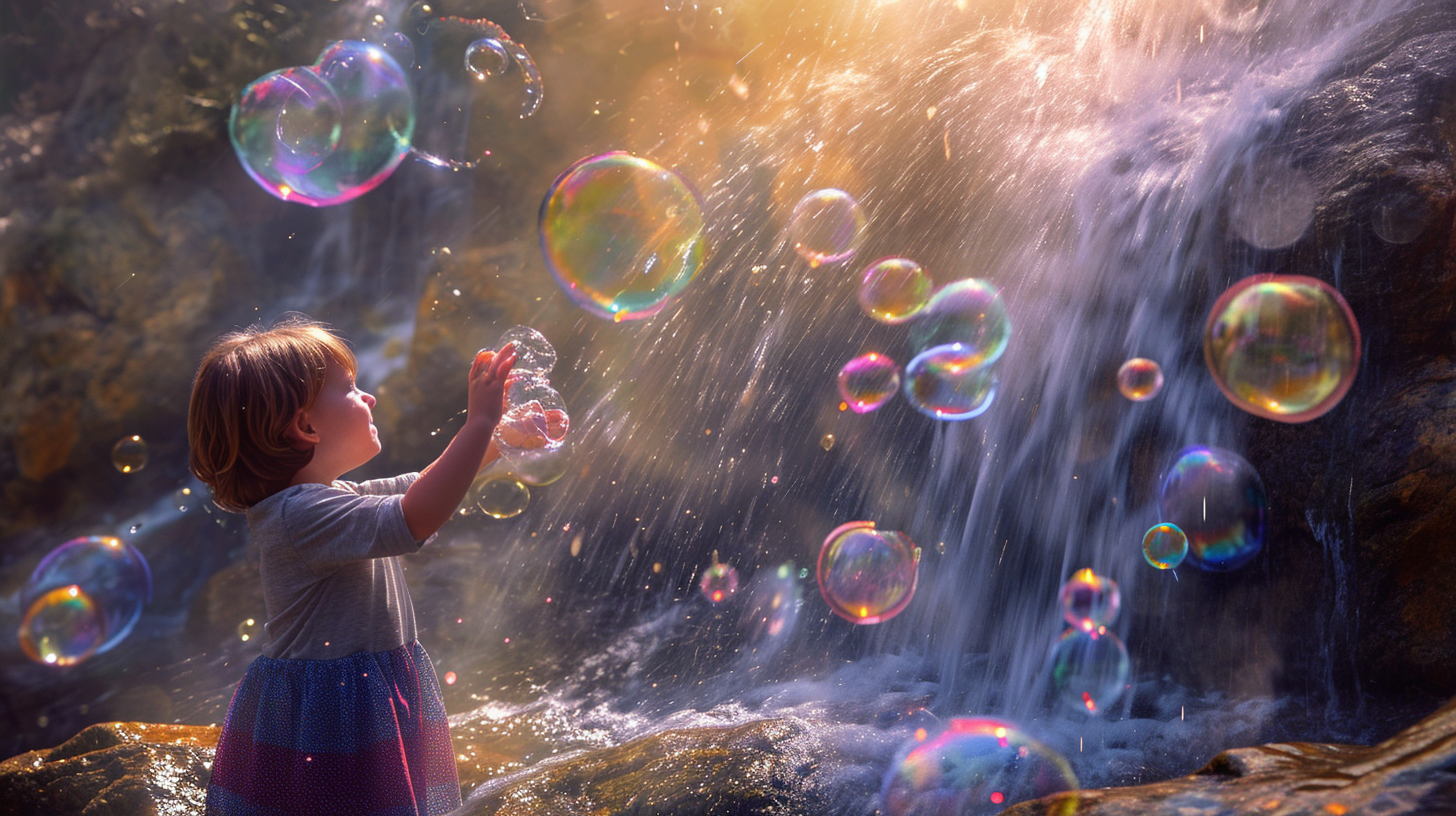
{"type": "Point", "coordinates": [968, 312]}
{"type": "Point", "coordinates": [622, 236]}
{"type": "Point", "coordinates": [61, 627]}
{"type": "Point", "coordinates": [894, 290]}
{"type": "Point", "coordinates": [771, 603]}
{"type": "Point", "coordinates": [827, 441]}
{"type": "Point", "coordinates": [976, 767]}
{"type": "Point", "coordinates": [535, 421]}
{"type": "Point", "coordinates": [1272, 205]}
{"type": "Point", "coordinates": [396, 45]}
{"type": "Point", "coordinates": [326, 133]}
{"type": "Point", "coordinates": [867, 575]}
{"type": "Point", "coordinates": [868, 381]}
{"type": "Point", "coordinates": [500, 495]}
{"type": "Point", "coordinates": [129, 454]}
{"type": "Point", "coordinates": [943, 383]}
{"type": "Point", "coordinates": [719, 582]}
{"type": "Point", "coordinates": [1140, 379]}
{"type": "Point", "coordinates": [534, 353]}
{"type": "Point", "coordinates": [1401, 216]}
{"type": "Point", "coordinates": [486, 57]}
{"type": "Point", "coordinates": [1089, 600]}
{"type": "Point", "coordinates": [250, 629]}
{"type": "Point", "coordinates": [827, 226]}
{"type": "Point", "coordinates": [1218, 501]}
{"type": "Point", "coordinates": [1283, 347]}
{"type": "Point", "coordinates": [1165, 546]}
{"type": "Point", "coordinates": [1089, 669]}
{"type": "Point", "coordinates": [114, 576]}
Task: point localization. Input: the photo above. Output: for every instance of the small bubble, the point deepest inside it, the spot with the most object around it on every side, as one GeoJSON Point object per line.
{"type": "Point", "coordinates": [129, 454]}
{"type": "Point", "coordinates": [827, 441]}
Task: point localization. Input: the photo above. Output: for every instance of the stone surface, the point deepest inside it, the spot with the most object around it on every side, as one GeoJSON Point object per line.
{"type": "Point", "coordinates": [113, 769]}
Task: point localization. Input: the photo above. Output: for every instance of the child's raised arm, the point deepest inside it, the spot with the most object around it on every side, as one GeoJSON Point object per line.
{"type": "Point", "coordinates": [433, 498]}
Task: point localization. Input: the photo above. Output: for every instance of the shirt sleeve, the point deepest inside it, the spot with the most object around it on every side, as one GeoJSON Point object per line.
{"type": "Point", "coordinates": [330, 525]}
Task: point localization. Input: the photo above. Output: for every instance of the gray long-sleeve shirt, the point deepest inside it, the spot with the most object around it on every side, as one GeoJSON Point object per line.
{"type": "Point", "coordinates": [332, 580]}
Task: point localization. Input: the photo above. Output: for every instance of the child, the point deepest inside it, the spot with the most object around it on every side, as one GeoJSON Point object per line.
{"type": "Point", "coordinates": [342, 713]}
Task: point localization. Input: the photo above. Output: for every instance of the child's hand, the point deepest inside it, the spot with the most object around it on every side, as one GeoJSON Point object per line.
{"type": "Point", "coordinates": [488, 376]}
{"type": "Point", "coordinates": [532, 427]}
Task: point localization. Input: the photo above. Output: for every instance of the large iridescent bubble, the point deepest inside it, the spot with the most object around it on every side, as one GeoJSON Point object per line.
{"type": "Point", "coordinates": [977, 767]}
{"type": "Point", "coordinates": [1217, 499]}
{"type": "Point", "coordinates": [893, 290]}
{"type": "Point", "coordinates": [1089, 669]}
{"type": "Point", "coordinates": [1283, 347]}
{"type": "Point", "coordinates": [868, 381]}
{"type": "Point", "coordinates": [1089, 600]}
{"type": "Point", "coordinates": [827, 226]}
{"type": "Point", "coordinates": [968, 312]}
{"type": "Point", "coordinates": [943, 382]}
{"type": "Point", "coordinates": [622, 235]}
{"type": "Point", "coordinates": [329, 132]}
{"type": "Point", "coordinates": [867, 575]}
{"type": "Point", "coordinates": [112, 574]}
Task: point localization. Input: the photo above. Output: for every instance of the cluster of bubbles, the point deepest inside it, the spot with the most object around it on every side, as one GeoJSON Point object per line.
{"type": "Point", "coordinates": [1283, 347]}
{"type": "Point", "coordinates": [867, 575]}
{"type": "Point", "coordinates": [977, 767]}
{"type": "Point", "coordinates": [326, 133]}
{"type": "Point", "coordinates": [531, 435]}
{"type": "Point", "coordinates": [827, 227]}
{"type": "Point", "coordinates": [1089, 663]}
{"type": "Point", "coordinates": [1140, 379]}
{"type": "Point", "coordinates": [959, 336]}
{"type": "Point", "coordinates": [84, 597]}
{"type": "Point", "coordinates": [1216, 502]}
{"type": "Point", "coordinates": [622, 235]}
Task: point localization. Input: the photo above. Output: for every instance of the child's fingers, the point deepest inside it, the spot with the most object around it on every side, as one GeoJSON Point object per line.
{"type": "Point", "coordinates": [501, 365]}
{"type": "Point", "coordinates": [483, 358]}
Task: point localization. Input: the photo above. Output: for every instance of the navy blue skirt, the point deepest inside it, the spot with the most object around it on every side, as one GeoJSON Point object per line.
{"type": "Point", "coordinates": [363, 735]}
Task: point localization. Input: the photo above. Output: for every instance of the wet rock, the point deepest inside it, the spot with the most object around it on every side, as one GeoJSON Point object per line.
{"type": "Point", "coordinates": [746, 769]}
{"type": "Point", "coordinates": [113, 769]}
{"type": "Point", "coordinates": [1407, 774]}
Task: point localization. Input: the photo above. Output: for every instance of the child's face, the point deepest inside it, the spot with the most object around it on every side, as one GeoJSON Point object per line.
{"type": "Point", "coordinates": [343, 418]}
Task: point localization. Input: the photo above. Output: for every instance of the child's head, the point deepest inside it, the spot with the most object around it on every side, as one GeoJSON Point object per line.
{"type": "Point", "coordinates": [249, 388]}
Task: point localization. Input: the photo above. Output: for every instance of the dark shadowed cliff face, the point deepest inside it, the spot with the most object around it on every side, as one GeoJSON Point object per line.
{"type": "Point", "coordinates": [1083, 162]}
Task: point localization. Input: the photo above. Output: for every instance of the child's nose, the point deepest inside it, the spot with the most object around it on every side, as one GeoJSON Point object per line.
{"type": "Point", "coordinates": [369, 399]}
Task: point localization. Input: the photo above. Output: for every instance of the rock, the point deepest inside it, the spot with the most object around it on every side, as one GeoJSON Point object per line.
{"type": "Point", "coordinates": [113, 769]}
{"type": "Point", "coordinates": [745, 769]}
{"type": "Point", "coordinates": [1407, 774]}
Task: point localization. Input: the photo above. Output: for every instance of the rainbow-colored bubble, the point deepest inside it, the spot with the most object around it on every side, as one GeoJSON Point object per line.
{"type": "Point", "coordinates": [329, 132]}
{"type": "Point", "coordinates": [113, 576]}
{"type": "Point", "coordinates": [1217, 499]}
{"type": "Point", "coordinates": [1165, 546]}
{"type": "Point", "coordinates": [61, 627]}
{"type": "Point", "coordinates": [867, 575]}
{"type": "Point", "coordinates": [944, 382]}
{"type": "Point", "coordinates": [868, 381]}
{"type": "Point", "coordinates": [893, 290]}
{"type": "Point", "coordinates": [827, 226]}
{"type": "Point", "coordinates": [1089, 600]}
{"type": "Point", "coordinates": [1140, 379]}
{"type": "Point", "coordinates": [1089, 669]}
{"type": "Point", "coordinates": [622, 235]}
{"type": "Point", "coordinates": [1283, 347]}
{"type": "Point", "coordinates": [129, 454]}
{"type": "Point", "coordinates": [719, 582]}
{"type": "Point", "coordinates": [977, 767]}
{"type": "Point", "coordinates": [969, 313]}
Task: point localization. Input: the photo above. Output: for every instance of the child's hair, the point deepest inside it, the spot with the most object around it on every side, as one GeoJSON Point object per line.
{"type": "Point", "coordinates": [249, 387]}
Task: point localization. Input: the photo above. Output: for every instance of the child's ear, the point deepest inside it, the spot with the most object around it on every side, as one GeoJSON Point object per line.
{"type": "Point", "coordinates": [300, 431]}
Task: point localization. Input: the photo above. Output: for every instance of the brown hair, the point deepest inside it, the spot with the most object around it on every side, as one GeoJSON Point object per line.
{"type": "Point", "coordinates": [249, 387]}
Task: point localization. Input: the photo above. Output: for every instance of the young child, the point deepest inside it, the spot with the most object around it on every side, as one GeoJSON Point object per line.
{"type": "Point", "coordinates": [342, 713]}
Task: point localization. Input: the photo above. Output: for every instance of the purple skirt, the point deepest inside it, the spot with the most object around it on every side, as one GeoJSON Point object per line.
{"type": "Point", "coordinates": [363, 735]}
